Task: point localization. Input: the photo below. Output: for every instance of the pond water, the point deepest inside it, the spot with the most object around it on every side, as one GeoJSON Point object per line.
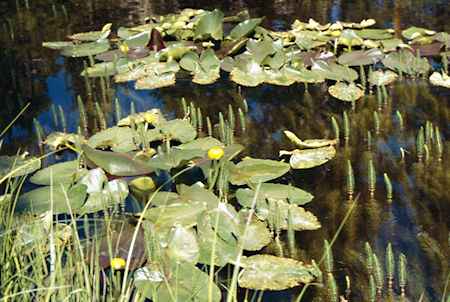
{"type": "Point", "coordinates": [415, 222]}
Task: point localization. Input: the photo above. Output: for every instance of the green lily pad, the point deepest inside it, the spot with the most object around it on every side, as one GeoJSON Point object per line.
{"type": "Point", "coordinates": [244, 28]}
{"type": "Point", "coordinates": [59, 45]}
{"type": "Point", "coordinates": [138, 40]}
{"type": "Point", "coordinates": [260, 49]}
{"type": "Point", "coordinates": [440, 79]}
{"type": "Point", "coordinates": [39, 200]}
{"type": "Point", "coordinates": [309, 158]}
{"type": "Point", "coordinates": [333, 71]}
{"type": "Point", "coordinates": [58, 139]}
{"type": "Point", "coordinates": [100, 70]}
{"type": "Point", "coordinates": [61, 173]}
{"type": "Point", "coordinates": [267, 272]}
{"type": "Point", "coordinates": [203, 143]}
{"type": "Point", "coordinates": [302, 75]}
{"type": "Point", "coordinates": [182, 282]}
{"type": "Point", "coordinates": [210, 25]}
{"type": "Point", "coordinates": [174, 158]}
{"type": "Point", "coordinates": [251, 75]}
{"type": "Point", "coordinates": [179, 129]}
{"type": "Point", "coordinates": [182, 245]}
{"type": "Point", "coordinates": [154, 81]}
{"type": "Point", "coordinates": [94, 180]}
{"type": "Point", "coordinates": [112, 194]}
{"type": "Point", "coordinates": [119, 139]}
{"type": "Point", "coordinates": [185, 214]}
{"type": "Point", "coordinates": [277, 78]}
{"type": "Point", "coordinates": [346, 92]}
{"type": "Point", "coordinates": [307, 39]}
{"type": "Point", "coordinates": [87, 49]}
{"type": "Point", "coordinates": [207, 238]}
{"type": "Point", "coordinates": [380, 77]}
{"type": "Point", "coordinates": [206, 69]}
{"type": "Point", "coordinates": [115, 163]}
{"type": "Point", "coordinates": [406, 62]}
{"type": "Point", "coordinates": [93, 35]}
{"type": "Point", "coordinates": [142, 187]}
{"type": "Point", "coordinates": [415, 32]}
{"type": "Point", "coordinates": [255, 236]}
{"type": "Point", "coordinates": [271, 191]}
{"type": "Point", "coordinates": [255, 170]}
{"type": "Point", "coordinates": [309, 143]}
{"type": "Point", "coordinates": [349, 37]}
{"type": "Point", "coordinates": [18, 165]}
{"type": "Point", "coordinates": [360, 57]}
{"type": "Point", "coordinates": [374, 34]}
{"type": "Point", "coordinates": [391, 44]}
{"type": "Point", "coordinates": [231, 48]}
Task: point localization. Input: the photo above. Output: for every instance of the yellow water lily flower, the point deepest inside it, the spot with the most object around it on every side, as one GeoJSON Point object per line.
{"type": "Point", "coordinates": [215, 153]}
{"type": "Point", "coordinates": [149, 118]}
{"type": "Point", "coordinates": [124, 48]}
{"type": "Point", "coordinates": [118, 263]}
{"type": "Point", "coordinates": [336, 33]}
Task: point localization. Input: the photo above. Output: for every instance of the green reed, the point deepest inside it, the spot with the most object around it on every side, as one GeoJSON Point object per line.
{"type": "Point", "coordinates": [335, 128]}
{"type": "Point", "coordinates": [439, 148]}
{"type": "Point", "coordinates": [402, 273]}
{"type": "Point", "coordinates": [101, 116]}
{"type": "Point", "coordinates": [400, 119]}
{"type": "Point", "coordinates": [329, 263]}
{"type": "Point", "coordinates": [390, 265]}
{"type": "Point", "coordinates": [241, 119]}
{"type": "Point", "coordinates": [346, 127]}
{"type": "Point", "coordinates": [371, 178]}
{"type": "Point", "coordinates": [199, 119]}
{"type": "Point", "coordinates": [55, 116]}
{"type": "Point", "coordinates": [209, 126]}
{"type": "Point", "coordinates": [350, 180]}
{"type": "Point", "coordinates": [63, 118]}
{"type": "Point", "coordinates": [378, 273]}
{"type": "Point", "coordinates": [420, 141]}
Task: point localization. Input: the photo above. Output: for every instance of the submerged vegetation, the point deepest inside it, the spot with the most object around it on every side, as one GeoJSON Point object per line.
{"type": "Point", "coordinates": [175, 209]}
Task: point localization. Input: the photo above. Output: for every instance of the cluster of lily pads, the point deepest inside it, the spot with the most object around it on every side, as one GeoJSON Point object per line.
{"type": "Point", "coordinates": [234, 204]}
{"type": "Point", "coordinates": [204, 42]}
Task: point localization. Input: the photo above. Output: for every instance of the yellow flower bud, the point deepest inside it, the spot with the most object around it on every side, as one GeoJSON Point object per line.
{"type": "Point", "coordinates": [118, 263]}
{"type": "Point", "coordinates": [336, 33]}
{"type": "Point", "coordinates": [215, 153]}
{"type": "Point", "coordinates": [124, 48]}
{"type": "Point", "coordinates": [149, 118]}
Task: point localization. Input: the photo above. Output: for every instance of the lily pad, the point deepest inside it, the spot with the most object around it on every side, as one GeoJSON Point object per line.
{"type": "Point", "coordinates": [93, 35]}
{"type": "Point", "coordinates": [333, 71]}
{"type": "Point", "coordinates": [244, 28]}
{"type": "Point", "coordinates": [203, 143]}
{"type": "Point", "coordinates": [87, 49]}
{"type": "Point", "coordinates": [271, 191]}
{"type": "Point", "coordinates": [350, 38]}
{"type": "Point", "coordinates": [267, 272]}
{"type": "Point", "coordinates": [346, 92]}
{"type": "Point", "coordinates": [251, 75]}
{"type": "Point", "coordinates": [39, 200]}
{"type": "Point", "coordinates": [440, 79]}
{"type": "Point", "coordinates": [59, 45]}
{"type": "Point", "coordinates": [360, 57]}
{"type": "Point", "coordinates": [18, 165]}
{"type": "Point", "coordinates": [115, 163]}
{"type": "Point", "coordinates": [142, 187]}
{"type": "Point", "coordinates": [61, 173]}
{"type": "Point", "coordinates": [182, 245]}
{"type": "Point", "coordinates": [181, 282]}
{"type": "Point", "coordinates": [309, 158]}
{"type": "Point", "coordinates": [260, 49]}
{"type": "Point", "coordinates": [185, 214]}
{"type": "Point", "coordinates": [302, 75]}
{"type": "Point", "coordinates": [119, 139]}
{"type": "Point", "coordinates": [174, 158]}
{"type": "Point", "coordinates": [415, 32]}
{"type": "Point", "coordinates": [210, 25]}
{"type": "Point", "coordinates": [255, 170]}
{"type": "Point", "coordinates": [154, 81]}
{"type": "Point", "coordinates": [380, 77]}
{"type": "Point", "coordinates": [309, 143]}
{"type": "Point", "coordinates": [406, 62]}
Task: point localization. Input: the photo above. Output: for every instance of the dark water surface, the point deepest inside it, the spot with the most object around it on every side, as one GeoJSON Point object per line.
{"type": "Point", "coordinates": [415, 222]}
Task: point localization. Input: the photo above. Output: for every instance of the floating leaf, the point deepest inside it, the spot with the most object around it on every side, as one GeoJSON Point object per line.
{"type": "Point", "coordinates": [114, 163]}
{"type": "Point", "coordinates": [307, 39]}
{"type": "Point", "coordinates": [182, 245]}
{"type": "Point", "coordinates": [309, 158]}
{"type": "Point", "coordinates": [251, 75]}
{"type": "Point", "coordinates": [374, 34]}
{"type": "Point", "coordinates": [210, 25]}
{"type": "Point", "coordinates": [267, 272]}
{"type": "Point", "coordinates": [309, 143]}
{"type": "Point", "coordinates": [156, 41]}
{"type": "Point", "coordinates": [203, 143]}
{"type": "Point", "coordinates": [64, 172]}
{"type": "Point", "coordinates": [302, 75]}
{"type": "Point", "coordinates": [260, 49]}
{"type": "Point", "coordinates": [119, 139]}
{"type": "Point", "coordinates": [244, 28]}
{"type": "Point", "coordinates": [346, 92]}
{"type": "Point", "coordinates": [415, 32]}
{"type": "Point", "coordinates": [185, 214]}
{"type": "Point", "coordinates": [174, 158]}
{"type": "Point", "coordinates": [440, 79]}
{"type": "Point", "coordinates": [39, 200]}
{"type": "Point", "coordinates": [360, 57]}
{"type": "Point", "coordinates": [19, 165]}
{"type": "Point", "coordinates": [142, 187]}
{"type": "Point", "coordinates": [180, 130]}
{"type": "Point", "coordinates": [87, 49]}
{"type": "Point", "coordinates": [333, 71]}
{"type": "Point", "coordinates": [277, 78]}
{"type": "Point", "coordinates": [139, 40]}
{"type": "Point", "coordinates": [59, 45]}
{"type": "Point", "coordinates": [380, 77]}
{"type": "Point", "coordinates": [271, 191]}
{"type": "Point", "coordinates": [154, 81]}
{"type": "Point", "coordinates": [93, 35]}
{"type": "Point", "coordinates": [182, 282]}
{"type": "Point", "coordinates": [255, 170]}
{"type": "Point", "coordinates": [349, 37]}
{"type": "Point", "coordinates": [406, 62]}
{"type": "Point", "coordinates": [231, 48]}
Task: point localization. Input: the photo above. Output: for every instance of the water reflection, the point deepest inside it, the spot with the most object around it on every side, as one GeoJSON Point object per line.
{"type": "Point", "coordinates": [415, 222]}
